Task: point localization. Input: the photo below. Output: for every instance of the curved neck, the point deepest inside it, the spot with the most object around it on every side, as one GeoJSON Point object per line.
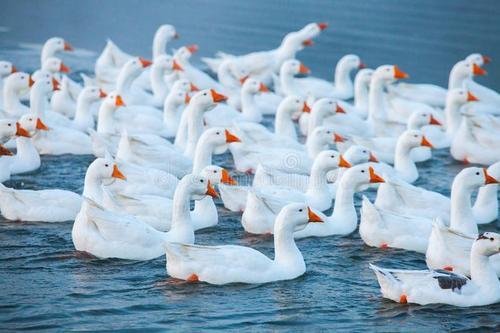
{"type": "Point", "coordinates": [158, 84]}
{"type": "Point", "coordinates": [194, 128]}
{"type": "Point", "coordinates": [316, 118]}
{"type": "Point", "coordinates": [360, 94]}
{"type": "Point", "coordinates": [11, 99]}
{"type": "Point", "coordinates": [159, 46]}
{"type": "Point", "coordinates": [181, 217]}
{"type": "Point", "coordinates": [125, 80]}
{"type": "Point", "coordinates": [38, 101]}
{"type": "Point", "coordinates": [170, 108]}
{"type": "Point", "coordinates": [487, 198]}
{"type": "Point", "coordinates": [453, 117]}
{"type": "Point", "coordinates": [286, 252]}
{"type": "Point", "coordinates": [26, 150]}
{"type": "Point", "coordinates": [287, 82]}
{"type": "Point", "coordinates": [202, 155]}
{"type": "Point", "coordinates": [317, 180]}
{"type": "Point", "coordinates": [484, 274]}
{"type": "Point", "coordinates": [248, 107]}
{"type": "Point", "coordinates": [461, 215]}
{"type": "Point", "coordinates": [403, 163]}
{"type": "Point", "coordinates": [83, 114]}
{"type": "Point", "coordinates": [315, 146]}
{"type": "Point", "coordinates": [376, 106]}
{"type": "Point", "coordinates": [284, 52]}
{"type": "Point", "coordinates": [283, 124]}
{"type": "Point", "coordinates": [47, 52]}
{"type": "Point", "coordinates": [343, 210]}
{"type": "Point", "coordinates": [456, 79]}
{"type": "Point", "coordinates": [105, 119]}
{"type": "Point", "coordinates": [92, 188]}
{"type": "Point", "coordinates": [343, 81]}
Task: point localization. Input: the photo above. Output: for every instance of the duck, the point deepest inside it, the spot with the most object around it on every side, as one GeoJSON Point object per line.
{"type": "Point", "coordinates": [341, 88]}
{"type": "Point", "coordinates": [83, 117]}
{"type": "Point", "coordinates": [224, 115]}
{"type": "Point", "coordinates": [27, 158]}
{"type": "Point", "coordinates": [264, 203]}
{"type": "Point", "coordinates": [107, 234]}
{"type": "Point", "coordinates": [474, 144]}
{"type": "Point", "coordinates": [263, 64]}
{"type": "Point", "coordinates": [238, 264]}
{"type": "Point", "coordinates": [343, 220]}
{"type": "Point", "coordinates": [384, 147]}
{"type": "Point", "coordinates": [6, 68]}
{"type": "Point", "coordinates": [52, 205]}
{"type": "Point", "coordinates": [384, 228]}
{"type": "Point", "coordinates": [441, 286]}
{"type": "Point", "coordinates": [15, 85]}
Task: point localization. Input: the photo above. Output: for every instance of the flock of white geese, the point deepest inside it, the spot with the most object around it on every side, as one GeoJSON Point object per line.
{"type": "Point", "coordinates": [154, 127]}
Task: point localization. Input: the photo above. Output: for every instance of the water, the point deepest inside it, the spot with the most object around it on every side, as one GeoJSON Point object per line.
{"type": "Point", "coordinates": [47, 286]}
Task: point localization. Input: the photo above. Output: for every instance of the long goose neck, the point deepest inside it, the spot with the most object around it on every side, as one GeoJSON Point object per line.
{"type": "Point", "coordinates": [194, 128]}
{"type": "Point", "coordinates": [37, 102]}
{"type": "Point", "coordinates": [158, 83]}
{"type": "Point", "coordinates": [343, 81]}
{"type": "Point", "coordinates": [202, 155]}
{"type": "Point", "coordinates": [314, 146]}
{"type": "Point", "coordinates": [287, 80]}
{"type": "Point", "coordinates": [181, 217]}
{"type": "Point", "coordinates": [403, 163]}
{"type": "Point", "coordinates": [283, 124]}
{"type": "Point", "coordinates": [92, 188]}
{"type": "Point", "coordinates": [10, 98]}
{"type": "Point", "coordinates": [170, 108]}
{"type": "Point", "coordinates": [344, 202]}
{"type": "Point", "coordinates": [317, 180]}
{"type": "Point", "coordinates": [26, 150]}
{"type": "Point", "coordinates": [360, 94]}
{"type": "Point", "coordinates": [456, 79]}
{"type": "Point", "coordinates": [461, 216]}
{"type": "Point", "coordinates": [82, 112]}
{"type": "Point", "coordinates": [105, 119]}
{"type": "Point", "coordinates": [125, 80]}
{"type": "Point", "coordinates": [247, 102]}
{"type": "Point", "coordinates": [286, 253]}
{"type": "Point", "coordinates": [376, 106]}
{"type": "Point", "coordinates": [487, 197]}
{"type": "Point", "coordinates": [483, 273]}
{"type": "Point", "coordinates": [159, 46]}
{"type": "Point", "coordinates": [452, 116]}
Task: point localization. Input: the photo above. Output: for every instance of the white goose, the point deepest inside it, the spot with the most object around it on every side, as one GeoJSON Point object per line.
{"type": "Point", "coordinates": [53, 46]}
{"type": "Point", "coordinates": [83, 117]}
{"type": "Point", "coordinates": [239, 264]}
{"type": "Point", "coordinates": [6, 68]}
{"type": "Point", "coordinates": [27, 158]}
{"type": "Point", "coordinates": [8, 130]}
{"type": "Point", "coordinates": [106, 234]}
{"type": "Point", "coordinates": [162, 65]}
{"type": "Point", "coordinates": [15, 85]}
{"type": "Point", "coordinates": [383, 228]}
{"type": "Point", "coordinates": [265, 202]}
{"type": "Point", "coordinates": [440, 286]}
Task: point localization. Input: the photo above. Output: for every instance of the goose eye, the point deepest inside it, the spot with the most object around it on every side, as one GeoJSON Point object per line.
{"type": "Point", "coordinates": [106, 165]}
{"type": "Point", "coordinates": [364, 151]}
{"type": "Point", "coordinates": [22, 77]}
{"type": "Point", "coordinates": [492, 239]}
{"type": "Point", "coordinates": [424, 115]}
{"type": "Point", "coordinates": [477, 173]}
{"type": "Point", "coordinates": [333, 156]}
{"type": "Point", "coordinates": [416, 136]}
{"type": "Point", "coordinates": [297, 101]}
{"type": "Point", "coordinates": [215, 171]}
{"type": "Point", "coordinates": [9, 125]}
{"type": "Point", "coordinates": [301, 210]}
{"type": "Point", "coordinates": [201, 180]}
{"type": "Point", "coordinates": [31, 119]}
{"type": "Point", "coordinates": [205, 94]}
{"type": "Point", "coordinates": [218, 133]}
{"type": "Point", "coordinates": [330, 102]}
{"type": "Point", "coordinates": [362, 171]}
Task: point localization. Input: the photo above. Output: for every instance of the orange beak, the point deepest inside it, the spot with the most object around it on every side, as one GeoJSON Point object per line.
{"type": "Point", "coordinates": [244, 78]}
{"type": "Point", "coordinates": [373, 158]}
{"type": "Point", "coordinates": [30, 81]}
{"type": "Point", "coordinates": [308, 42]}
{"type": "Point", "coordinates": [322, 25]}
{"type": "Point", "coordinates": [488, 178]}
{"type": "Point", "coordinates": [13, 69]}
{"type": "Point", "coordinates": [63, 68]}
{"type": "Point", "coordinates": [476, 70]}
{"type": "Point", "coordinates": [313, 217]}
{"type": "Point", "coordinates": [216, 97]}
{"type": "Point", "coordinates": [434, 121]}
{"type": "Point", "coordinates": [486, 59]}
{"type": "Point", "coordinates": [227, 179]}
{"type": "Point", "coordinates": [471, 98]}
{"type": "Point", "coordinates": [263, 88]}
{"type": "Point", "coordinates": [145, 63]}
{"type": "Point", "coordinates": [211, 191]}
{"type": "Point", "coordinates": [231, 137]}
{"type": "Point", "coordinates": [339, 109]}
{"type": "Point", "coordinates": [5, 152]}
{"type": "Point", "coordinates": [102, 94]}
{"type": "Point", "coordinates": [306, 108]}
{"type": "Point", "coordinates": [303, 69]}
{"type": "Point", "coordinates": [338, 138]}
{"type": "Point", "coordinates": [68, 47]}
{"type": "Point", "coordinates": [176, 66]}
{"type": "Point", "coordinates": [398, 74]}
{"type": "Point", "coordinates": [55, 84]}
{"type": "Point", "coordinates": [40, 125]}
{"type": "Point", "coordinates": [192, 48]}
{"type": "Point", "coordinates": [343, 163]}
{"type": "Point", "coordinates": [187, 99]}
{"type": "Point", "coordinates": [426, 143]}
{"type": "Point", "coordinates": [374, 178]}
{"type": "Point", "coordinates": [119, 101]}
{"type": "Point", "coordinates": [21, 131]}
{"type": "Point", "coordinates": [193, 87]}
{"type": "Point", "coordinates": [117, 173]}
{"type": "Point", "coordinates": [361, 65]}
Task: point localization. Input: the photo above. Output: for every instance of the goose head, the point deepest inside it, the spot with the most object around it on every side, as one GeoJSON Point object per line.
{"type": "Point", "coordinates": [29, 124]}
{"type": "Point", "coordinates": [389, 73]}
{"type": "Point", "coordinates": [166, 64]}
{"type": "Point", "coordinates": [253, 86]}
{"type": "Point", "coordinates": [184, 85]}
{"type": "Point", "coordinates": [91, 94]}
{"type": "Point", "coordinates": [487, 244]}
{"type": "Point", "coordinates": [357, 154]}
{"type": "Point", "coordinates": [112, 101]}
{"type": "Point", "coordinates": [178, 97]}
{"type": "Point", "coordinates": [478, 59]}
{"type": "Point", "coordinates": [207, 99]}
{"type": "Point", "coordinates": [325, 136]}
{"type": "Point", "coordinates": [198, 186]}
{"type": "Point", "coordinates": [474, 177]}
{"type": "Point", "coordinates": [327, 106]}
{"type": "Point", "coordinates": [294, 106]}
{"type": "Point", "coordinates": [293, 67]}
{"type": "Point", "coordinates": [412, 139]}
{"type": "Point", "coordinates": [363, 77]}
{"type": "Point", "coordinates": [8, 130]}
{"type": "Point", "coordinates": [19, 81]}
{"type": "Point", "coordinates": [218, 138]}
{"type": "Point", "coordinates": [183, 54]}
{"type": "Point", "coordinates": [104, 170]}
{"type": "Point", "coordinates": [45, 86]}
{"type": "Point", "coordinates": [6, 68]}
{"type": "Point", "coordinates": [330, 159]}
{"type": "Point", "coordinates": [295, 217]}
{"type": "Point", "coordinates": [350, 62]}
{"type": "Point", "coordinates": [421, 118]}
{"type": "Point", "coordinates": [134, 67]}
{"type": "Point", "coordinates": [57, 44]}
{"type": "Point", "coordinates": [361, 175]}
{"type": "Point", "coordinates": [54, 65]}
{"type": "Point", "coordinates": [467, 69]}
{"type": "Point", "coordinates": [459, 97]}
{"type": "Point", "coordinates": [166, 32]}
{"type": "Point", "coordinates": [298, 40]}
{"type": "Point", "coordinates": [217, 175]}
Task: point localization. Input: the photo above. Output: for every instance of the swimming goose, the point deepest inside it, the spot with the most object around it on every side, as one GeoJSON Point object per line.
{"type": "Point", "coordinates": [15, 85]}
{"type": "Point", "coordinates": [107, 234]}
{"type": "Point", "coordinates": [162, 65]}
{"type": "Point", "coordinates": [52, 46]}
{"type": "Point", "coordinates": [8, 130]}
{"type": "Point", "coordinates": [238, 264]}
{"type": "Point", "coordinates": [27, 158]}
{"type": "Point", "coordinates": [83, 117]}
{"type": "Point", "coordinates": [6, 68]}
{"type": "Point", "coordinates": [441, 286]}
